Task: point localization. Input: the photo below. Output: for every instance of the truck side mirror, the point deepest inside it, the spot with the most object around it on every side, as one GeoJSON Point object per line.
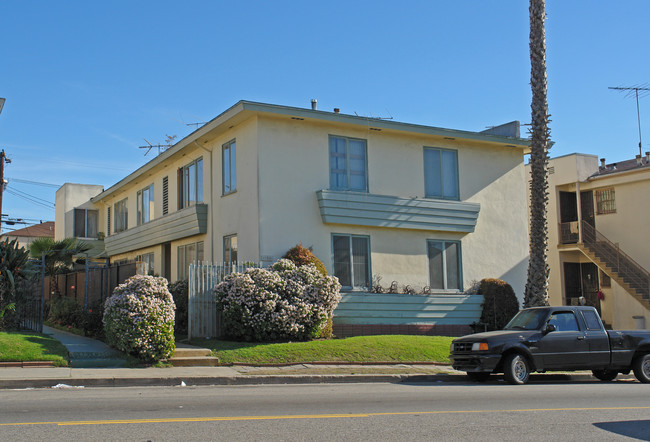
{"type": "Point", "coordinates": [549, 328]}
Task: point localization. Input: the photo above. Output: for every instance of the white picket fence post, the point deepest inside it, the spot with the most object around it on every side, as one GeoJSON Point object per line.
{"type": "Point", "coordinates": [203, 320]}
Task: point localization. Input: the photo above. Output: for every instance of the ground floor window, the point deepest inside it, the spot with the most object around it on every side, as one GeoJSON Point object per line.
{"type": "Point", "coordinates": [352, 260]}
{"type": "Point", "coordinates": [230, 249]}
{"type": "Point", "coordinates": [444, 265]}
{"type": "Point", "coordinates": [148, 261]}
{"type": "Point", "coordinates": [188, 254]}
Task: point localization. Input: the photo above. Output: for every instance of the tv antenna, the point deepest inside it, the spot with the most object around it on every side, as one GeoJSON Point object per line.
{"type": "Point", "coordinates": [161, 147]}
{"type": "Point", "coordinates": [196, 125]}
{"type": "Point", "coordinates": [634, 90]}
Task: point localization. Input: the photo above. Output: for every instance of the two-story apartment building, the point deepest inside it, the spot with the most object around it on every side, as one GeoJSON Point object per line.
{"type": "Point", "coordinates": [427, 207]}
{"type": "Point", "coordinates": [598, 217]}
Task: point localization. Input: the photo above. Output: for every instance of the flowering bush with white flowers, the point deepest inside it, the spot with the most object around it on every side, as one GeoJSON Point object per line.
{"type": "Point", "coordinates": [139, 318]}
{"type": "Point", "coordinates": [280, 303]}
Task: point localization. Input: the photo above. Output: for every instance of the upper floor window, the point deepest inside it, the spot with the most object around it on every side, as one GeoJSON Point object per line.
{"type": "Point", "coordinates": [230, 249]}
{"type": "Point", "coordinates": [121, 216]}
{"type": "Point", "coordinates": [85, 223]}
{"type": "Point", "coordinates": [190, 184]}
{"type": "Point", "coordinates": [348, 164]}
{"type": "Point", "coordinates": [605, 201]}
{"type": "Point", "coordinates": [145, 204]}
{"type": "Point", "coordinates": [441, 173]}
{"type": "Point", "coordinates": [444, 265]}
{"type": "Point", "coordinates": [352, 260]}
{"type": "Point", "coordinates": [229, 168]}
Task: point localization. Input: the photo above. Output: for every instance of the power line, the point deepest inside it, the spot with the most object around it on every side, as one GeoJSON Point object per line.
{"type": "Point", "coordinates": [38, 183]}
{"type": "Point", "coordinates": [27, 198]}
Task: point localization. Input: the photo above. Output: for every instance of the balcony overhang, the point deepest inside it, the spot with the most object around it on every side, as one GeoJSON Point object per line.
{"type": "Point", "coordinates": [363, 209]}
{"type": "Point", "coordinates": [180, 224]}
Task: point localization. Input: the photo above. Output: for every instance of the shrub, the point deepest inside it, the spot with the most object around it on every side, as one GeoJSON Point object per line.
{"type": "Point", "coordinates": [179, 291]}
{"type": "Point", "coordinates": [500, 304]}
{"type": "Point", "coordinates": [65, 311]}
{"type": "Point", "coordinates": [139, 318]}
{"type": "Point", "coordinates": [92, 321]}
{"type": "Point", "coordinates": [302, 256]}
{"type": "Point", "coordinates": [285, 302]}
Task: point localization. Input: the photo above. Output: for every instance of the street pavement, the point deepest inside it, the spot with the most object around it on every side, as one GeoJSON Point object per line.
{"type": "Point", "coordinates": [95, 364]}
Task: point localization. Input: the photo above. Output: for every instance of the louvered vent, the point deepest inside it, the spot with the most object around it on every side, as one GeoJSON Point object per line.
{"type": "Point", "coordinates": [165, 196]}
{"type": "Point", "coordinates": [108, 221]}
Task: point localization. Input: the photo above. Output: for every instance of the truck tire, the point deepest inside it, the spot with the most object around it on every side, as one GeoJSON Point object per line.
{"type": "Point", "coordinates": [605, 375]}
{"type": "Point", "coordinates": [477, 376]}
{"type": "Point", "coordinates": [516, 369]}
{"type": "Point", "coordinates": [641, 368]}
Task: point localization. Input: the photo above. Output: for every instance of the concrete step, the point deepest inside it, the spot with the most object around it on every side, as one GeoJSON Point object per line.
{"type": "Point", "coordinates": [194, 361]}
{"type": "Point", "coordinates": [186, 352]}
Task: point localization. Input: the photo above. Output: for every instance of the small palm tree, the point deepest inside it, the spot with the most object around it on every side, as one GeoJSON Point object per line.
{"type": "Point", "coordinates": [536, 291]}
{"type": "Point", "coordinates": [59, 255]}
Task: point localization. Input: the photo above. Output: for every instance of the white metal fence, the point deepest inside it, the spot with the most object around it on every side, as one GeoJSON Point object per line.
{"type": "Point", "coordinates": [203, 320]}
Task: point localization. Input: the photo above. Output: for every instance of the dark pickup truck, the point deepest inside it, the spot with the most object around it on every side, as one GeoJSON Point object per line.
{"type": "Point", "coordinates": [553, 338]}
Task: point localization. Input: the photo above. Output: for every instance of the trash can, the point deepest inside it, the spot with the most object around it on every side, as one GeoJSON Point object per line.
{"type": "Point", "coordinates": [639, 322]}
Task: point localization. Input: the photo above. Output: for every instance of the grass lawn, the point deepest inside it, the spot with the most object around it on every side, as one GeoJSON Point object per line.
{"type": "Point", "coordinates": [30, 346]}
{"type": "Point", "coordinates": [367, 349]}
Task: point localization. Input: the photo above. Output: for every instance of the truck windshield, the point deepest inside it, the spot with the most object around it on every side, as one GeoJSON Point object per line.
{"type": "Point", "coordinates": [527, 320]}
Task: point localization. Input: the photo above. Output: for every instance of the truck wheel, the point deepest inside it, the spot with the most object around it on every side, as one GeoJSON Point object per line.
{"type": "Point", "coordinates": [641, 368]}
{"type": "Point", "coordinates": [605, 375]}
{"type": "Point", "coordinates": [515, 369]}
{"type": "Point", "coordinates": [475, 376]}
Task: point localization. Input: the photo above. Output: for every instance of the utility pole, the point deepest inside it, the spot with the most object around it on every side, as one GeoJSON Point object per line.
{"type": "Point", "coordinates": [2, 180]}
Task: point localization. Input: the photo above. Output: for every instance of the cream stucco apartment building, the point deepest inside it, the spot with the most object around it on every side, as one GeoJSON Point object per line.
{"type": "Point", "coordinates": [598, 247]}
{"type": "Point", "coordinates": [427, 207]}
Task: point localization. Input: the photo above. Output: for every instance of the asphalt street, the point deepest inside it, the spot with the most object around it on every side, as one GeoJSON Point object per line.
{"type": "Point", "coordinates": [378, 411]}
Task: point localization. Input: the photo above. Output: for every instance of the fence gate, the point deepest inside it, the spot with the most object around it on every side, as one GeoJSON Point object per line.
{"type": "Point", "coordinates": [203, 320]}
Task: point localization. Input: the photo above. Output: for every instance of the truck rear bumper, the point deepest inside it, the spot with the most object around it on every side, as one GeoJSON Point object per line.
{"type": "Point", "coordinates": [475, 362]}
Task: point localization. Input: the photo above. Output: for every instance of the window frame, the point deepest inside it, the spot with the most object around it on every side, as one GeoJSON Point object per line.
{"type": "Point", "coordinates": [605, 201]}
{"type": "Point", "coordinates": [351, 261]}
{"type": "Point", "coordinates": [459, 265]}
{"type": "Point", "coordinates": [121, 215]}
{"type": "Point", "coordinates": [430, 176]}
{"type": "Point", "coordinates": [144, 216]}
{"type": "Point", "coordinates": [229, 168]}
{"type": "Point", "coordinates": [227, 245]}
{"type": "Point", "coordinates": [199, 254]}
{"type": "Point", "coordinates": [348, 171]}
{"type": "Point", "coordinates": [85, 223]}
{"type": "Point", "coordinates": [185, 187]}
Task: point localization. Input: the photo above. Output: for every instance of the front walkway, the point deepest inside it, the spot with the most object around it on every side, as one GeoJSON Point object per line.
{"type": "Point", "coordinates": [87, 352]}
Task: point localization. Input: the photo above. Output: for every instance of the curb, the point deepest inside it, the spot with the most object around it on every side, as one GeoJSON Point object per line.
{"type": "Point", "coordinates": [284, 379]}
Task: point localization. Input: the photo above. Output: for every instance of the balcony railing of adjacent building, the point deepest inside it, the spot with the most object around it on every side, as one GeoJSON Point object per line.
{"type": "Point", "coordinates": [569, 233]}
{"type": "Point", "coordinates": [631, 272]}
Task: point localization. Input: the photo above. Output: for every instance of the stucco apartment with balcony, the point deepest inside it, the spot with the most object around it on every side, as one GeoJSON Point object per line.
{"type": "Point", "coordinates": [598, 248]}
{"type": "Point", "coordinates": [427, 207]}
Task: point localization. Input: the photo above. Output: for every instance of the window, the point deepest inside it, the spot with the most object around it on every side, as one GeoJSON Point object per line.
{"type": "Point", "coordinates": [145, 205]}
{"type": "Point", "coordinates": [188, 254]}
{"type": "Point", "coordinates": [348, 165]}
{"type": "Point", "coordinates": [148, 261]}
{"type": "Point", "coordinates": [605, 201]}
{"type": "Point", "coordinates": [190, 184]}
{"type": "Point", "coordinates": [441, 173]}
{"type": "Point", "coordinates": [352, 260]}
{"type": "Point", "coordinates": [85, 223]}
{"type": "Point", "coordinates": [444, 265]}
{"type": "Point", "coordinates": [121, 216]}
{"type": "Point", "coordinates": [229, 168]}
{"type": "Point", "coordinates": [230, 249]}
{"type": "Point", "coordinates": [564, 321]}
{"type": "Point", "coordinates": [591, 318]}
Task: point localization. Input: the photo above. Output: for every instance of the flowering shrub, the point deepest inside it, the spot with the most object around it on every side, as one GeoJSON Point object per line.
{"type": "Point", "coordinates": [139, 318]}
{"type": "Point", "coordinates": [280, 303]}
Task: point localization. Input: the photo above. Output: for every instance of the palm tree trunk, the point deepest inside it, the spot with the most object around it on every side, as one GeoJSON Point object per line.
{"type": "Point", "coordinates": [536, 291]}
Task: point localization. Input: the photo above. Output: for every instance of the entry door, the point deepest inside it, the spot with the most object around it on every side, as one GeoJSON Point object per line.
{"type": "Point", "coordinates": [587, 207]}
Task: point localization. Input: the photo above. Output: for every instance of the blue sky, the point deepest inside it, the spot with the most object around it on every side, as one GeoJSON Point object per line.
{"type": "Point", "coordinates": [86, 82]}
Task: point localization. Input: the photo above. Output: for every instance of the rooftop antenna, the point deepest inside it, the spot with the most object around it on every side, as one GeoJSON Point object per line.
{"type": "Point", "coordinates": [196, 125]}
{"type": "Point", "coordinates": [161, 147]}
{"type": "Point", "coordinates": [634, 90]}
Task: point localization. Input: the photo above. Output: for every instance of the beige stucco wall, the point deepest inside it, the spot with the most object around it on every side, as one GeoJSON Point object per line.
{"type": "Point", "coordinates": [627, 227]}
{"type": "Point", "coordinates": [295, 159]}
{"type": "Point", "coordinates": [68, 197]}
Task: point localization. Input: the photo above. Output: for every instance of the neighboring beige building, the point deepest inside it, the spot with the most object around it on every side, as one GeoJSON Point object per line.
{"type": "Point", "coordinates": [27, 235]}
{"type": "Point", "coordinates": [427, 207]}
{"type": "Point", "coordinates": [598, 222]}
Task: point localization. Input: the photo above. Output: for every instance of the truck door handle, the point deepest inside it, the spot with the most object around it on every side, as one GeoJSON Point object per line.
{"type": "Point", "coordinates": [580, 338]}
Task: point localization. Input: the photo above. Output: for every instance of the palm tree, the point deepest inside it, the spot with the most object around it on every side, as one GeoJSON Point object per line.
{"type": "Point", "coordinates": [59, 255]}
{"type": "Point", "coordinates": [536, 291]}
